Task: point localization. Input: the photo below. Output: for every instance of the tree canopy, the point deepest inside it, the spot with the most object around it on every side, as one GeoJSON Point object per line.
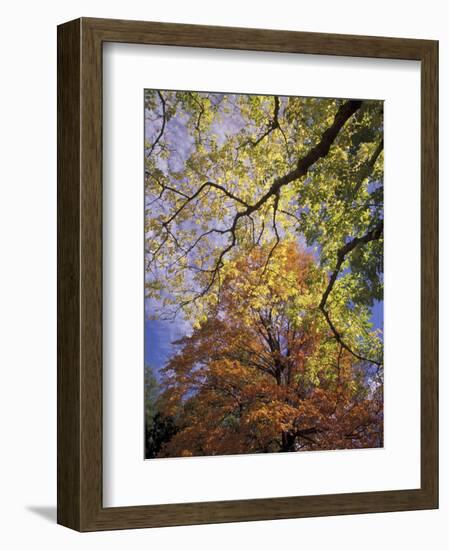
{"type": "Point", "coordinates": [264, 231]}
{"type": "Point", "coordinates": [263, 374]}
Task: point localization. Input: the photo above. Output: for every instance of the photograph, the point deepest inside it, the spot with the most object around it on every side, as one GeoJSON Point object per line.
{"type": "Point", "coordinates": [263, 273]}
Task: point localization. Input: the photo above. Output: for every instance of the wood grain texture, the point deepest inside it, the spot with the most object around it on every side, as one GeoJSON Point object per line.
{"type": "Point", "coordinates": [429, 271]}
{"type": "Point", "coordinates": [80, 274]}
{"type": "Point", "coordinates": [69, 408]}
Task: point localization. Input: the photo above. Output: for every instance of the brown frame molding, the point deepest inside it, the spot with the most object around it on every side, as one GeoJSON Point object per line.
{"type": "Point", "coordinates": [80, 274]}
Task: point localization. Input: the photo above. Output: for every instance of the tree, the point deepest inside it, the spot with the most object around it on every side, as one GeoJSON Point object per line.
{"type": "Point", "coordinates": [230, 173]}
{"type": "Point", "coordinates": [264, 373]}
{"type": "Point", "coordinates": [159, 428]}
{"type": "Point", "coordinates": [151, 392]}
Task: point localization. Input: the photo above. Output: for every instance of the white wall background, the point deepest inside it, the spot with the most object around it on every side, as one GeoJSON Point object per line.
{"type": "Point", "coordinates": [28, 272]}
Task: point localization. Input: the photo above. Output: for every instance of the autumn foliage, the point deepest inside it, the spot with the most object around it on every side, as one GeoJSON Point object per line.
{"type": "Point", "coordinates": [264, 231]}
{"type": "Point", "coordinates": [258, 376]}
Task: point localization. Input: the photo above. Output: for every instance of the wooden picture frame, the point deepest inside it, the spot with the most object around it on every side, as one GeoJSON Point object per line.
{"type": "Point", "coordinates": [80, 351]}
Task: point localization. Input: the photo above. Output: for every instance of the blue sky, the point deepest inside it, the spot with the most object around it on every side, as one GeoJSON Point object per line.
{"type": "Point", "coordinates": [159, 336]}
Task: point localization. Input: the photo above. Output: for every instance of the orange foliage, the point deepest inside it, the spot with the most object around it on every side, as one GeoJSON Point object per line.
{"type": "Point", "coordinates": [256, 376]}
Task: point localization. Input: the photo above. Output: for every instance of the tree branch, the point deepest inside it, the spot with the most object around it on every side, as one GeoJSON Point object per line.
{"type": "Point", "coordinates": [320, 150]}
{"type": "Point", "coordinates": [367, 167]}
{"type": "Point", "coordinates": [372, 235]}
{"type": "Point", "coordinates": [198, 192]}
{"type": "Point", "coordinates": [163, 125]}
{"type": "Point", "coordinates": [273, 125]}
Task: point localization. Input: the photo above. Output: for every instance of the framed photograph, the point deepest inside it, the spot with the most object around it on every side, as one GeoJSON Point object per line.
{"type": "Point", "coordinates": [247, 274]}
